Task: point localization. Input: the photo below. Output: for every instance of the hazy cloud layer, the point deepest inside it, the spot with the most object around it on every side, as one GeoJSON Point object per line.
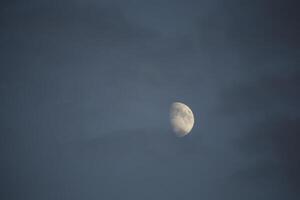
{"type": "Point", "coordinates": [85, 90]}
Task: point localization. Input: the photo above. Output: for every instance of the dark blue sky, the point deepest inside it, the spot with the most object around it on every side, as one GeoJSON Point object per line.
{"type": "Point", "coordinates": [85, 90]}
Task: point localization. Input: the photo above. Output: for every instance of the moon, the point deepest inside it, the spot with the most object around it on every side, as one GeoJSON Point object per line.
{"type": "Point", "coordinates": [181, 119]}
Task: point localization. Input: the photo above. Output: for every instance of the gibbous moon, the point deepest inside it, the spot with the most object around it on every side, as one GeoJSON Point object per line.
{"type": "Point", "coordinates": [181, 118]}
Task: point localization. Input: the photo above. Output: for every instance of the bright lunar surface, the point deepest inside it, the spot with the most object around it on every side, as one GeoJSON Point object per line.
{"type": "Point", "coordinates": [181, 118]}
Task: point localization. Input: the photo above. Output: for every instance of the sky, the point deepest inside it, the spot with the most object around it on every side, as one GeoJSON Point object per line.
{"type": "Point", "coordinates": [86, 87]}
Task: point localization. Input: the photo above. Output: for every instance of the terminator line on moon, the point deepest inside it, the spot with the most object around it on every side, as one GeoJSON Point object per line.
{"type": "Point", "coordinates": [181, 118]}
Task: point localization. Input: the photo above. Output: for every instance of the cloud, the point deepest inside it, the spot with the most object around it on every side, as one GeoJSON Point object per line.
{"type": "Point", "coordinates": [268, 108]}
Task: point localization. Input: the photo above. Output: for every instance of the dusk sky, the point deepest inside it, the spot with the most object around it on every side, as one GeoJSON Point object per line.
{"type": "Point", "coordinates": [86, 87]}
